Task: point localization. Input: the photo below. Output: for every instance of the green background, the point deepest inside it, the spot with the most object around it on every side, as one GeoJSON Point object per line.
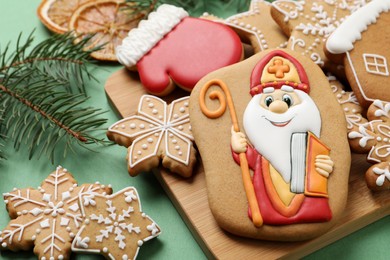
{"type": "Point", "coordinates": [109, 166]}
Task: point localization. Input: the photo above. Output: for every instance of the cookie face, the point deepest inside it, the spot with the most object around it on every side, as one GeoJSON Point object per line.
{"type": "Point", "coordinates": [361, 41]}
{"type": "Point", "coordinates": [309, 23]}
{"type": "Point", "coordinates": [159, 132]}
{"type": "Point", "coordinates": [48, 217]}
{"type": "Point", "coordinates": [280, 148]}
{"type": "Point", "coordinates": [257, 28]}
{"type": "Point", "coordinates": [171, 48]}
{"type": "Point", "coordinates": [114, 226]}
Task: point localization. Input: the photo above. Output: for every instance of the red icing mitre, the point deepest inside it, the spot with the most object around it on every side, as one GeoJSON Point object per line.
{"type": "Point", "coordinates": [277, 69]}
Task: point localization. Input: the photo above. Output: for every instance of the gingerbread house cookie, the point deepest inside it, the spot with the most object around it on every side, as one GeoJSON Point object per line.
{"type": "Point", "coordinates": [277, 163]}
{"type": "Point", "coordinates": [362, 42]}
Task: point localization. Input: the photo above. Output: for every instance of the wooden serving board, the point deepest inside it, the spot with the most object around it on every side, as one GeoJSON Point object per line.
{"type": "Point", "coordinates": [124, 89]}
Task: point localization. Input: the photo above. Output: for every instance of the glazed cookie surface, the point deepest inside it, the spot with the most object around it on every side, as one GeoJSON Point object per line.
{"type": "Point", "coordinates": [278, 102]}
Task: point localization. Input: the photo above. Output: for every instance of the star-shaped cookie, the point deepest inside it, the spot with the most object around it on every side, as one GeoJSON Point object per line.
{"type": "Point", "coordinates": [257, 28]}
{"type": "Point", "coordinates": [47, 218]}
{"type": "Point", "coordinates": [115, 226]}
{"type": "Point", "coordinates": [158, 132]}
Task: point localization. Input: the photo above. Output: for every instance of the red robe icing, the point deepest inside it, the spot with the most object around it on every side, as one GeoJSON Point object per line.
{"type": "Point", "coordinates": [312, 209]}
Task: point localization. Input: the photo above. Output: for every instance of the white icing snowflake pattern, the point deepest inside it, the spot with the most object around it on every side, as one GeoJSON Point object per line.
{"type": "Point", "coordinates": [383, 175]}
{"type": "Point", "coordinates": [375, 135]}
{"type": "Point", "coordinates": [317, 19]}
{"type": "Point", "coordinates": [158, 130]}
{"type": "Point", "coordinates": [121, 223]}
{"type": "Point", "coordinates": [55, 211]}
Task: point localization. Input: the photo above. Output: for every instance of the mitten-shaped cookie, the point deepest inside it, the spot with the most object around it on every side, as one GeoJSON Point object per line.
{"type": "Point", "coordinates": [158, 132]}
{"type": "Point", "coordinates": [171, 47]}
{"type": "Point", "coordinates": [374, 138]}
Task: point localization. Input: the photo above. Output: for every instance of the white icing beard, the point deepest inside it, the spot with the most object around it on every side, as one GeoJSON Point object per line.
{"type": "Point", "coordinates": [273, 142]}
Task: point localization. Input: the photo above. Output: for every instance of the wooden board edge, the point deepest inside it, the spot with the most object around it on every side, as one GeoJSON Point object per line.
{"type": "Point", "coordinates": [190, 225]}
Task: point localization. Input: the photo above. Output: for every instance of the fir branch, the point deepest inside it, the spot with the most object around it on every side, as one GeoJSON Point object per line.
{"type": "Point", "coordinates": [57, 56]}
{"type": "Point", "coordinates": [38, 107]}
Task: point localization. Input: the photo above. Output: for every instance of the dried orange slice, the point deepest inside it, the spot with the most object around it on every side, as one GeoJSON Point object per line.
{"type": "Point", "coordinates": [108, 21]}
{"type": "Point", "coordinates": [55, 14]}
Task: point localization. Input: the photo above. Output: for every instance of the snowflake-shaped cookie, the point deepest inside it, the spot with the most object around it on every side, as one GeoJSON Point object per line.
{"type": "Point", "coordinates": [158, 131]}
{"type": "Point", "coordinates": [309, 23]}
{"type": "Point", "coordinates": [47, 218]}
{"type": "Point", "coordinates": [374, 138]}
{"type": "Point", "coordinates": [115, 226]}
{"type": "Point", "coordinates": [348, 102]}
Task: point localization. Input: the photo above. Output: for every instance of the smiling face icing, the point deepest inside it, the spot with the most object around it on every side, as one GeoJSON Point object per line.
{"type": "Point", "coordinates": [270, 119]}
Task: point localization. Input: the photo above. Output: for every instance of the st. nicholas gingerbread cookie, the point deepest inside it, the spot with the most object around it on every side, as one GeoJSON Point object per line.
{"type": "Point", "coordinates": [360, 45]}
{"type": "Point", "coordinates": [172, 48]}
{"type": "Point", "coordinates": [48, 218]}
{"type": "Point", "coordinates": [159, 132]}
{"type": "Point", "coordinates": [277, 163]}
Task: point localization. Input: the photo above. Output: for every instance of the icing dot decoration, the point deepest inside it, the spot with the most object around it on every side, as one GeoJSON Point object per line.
{"type": "Point", "coordinates": [152, 142]}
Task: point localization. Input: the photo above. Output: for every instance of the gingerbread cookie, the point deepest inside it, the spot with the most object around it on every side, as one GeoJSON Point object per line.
{"type": "Point", "coordinates": [171, 47]}
{"type": "Point", "coordinates": [361, 45]}
{"type": "Point", "coordinates": [374, 138]}
{"type": "Point", "coordinates": [281, 147]}
{"type": "Point", "coordinates": [309, 23]}
{"type": "Point", "coordinates": [348, 102]}
{"type": "Point", "coordinates": [47, 218]}
{"type": "Point", "coordinates": [158, 132]}
{"type": "Point", "coordinates": [257, 28]}
{"type": "Point", "coordinates": [114, 226]}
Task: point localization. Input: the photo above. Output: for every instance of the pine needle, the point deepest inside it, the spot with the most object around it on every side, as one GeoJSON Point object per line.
{"type": "Point", "coordinates": [42, 97]}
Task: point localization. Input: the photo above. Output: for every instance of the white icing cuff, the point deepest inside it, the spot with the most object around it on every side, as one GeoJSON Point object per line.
{"type": "Point", "coordinates": [149, 32]}
{"type": "Point", "coordinates": [342, 39]}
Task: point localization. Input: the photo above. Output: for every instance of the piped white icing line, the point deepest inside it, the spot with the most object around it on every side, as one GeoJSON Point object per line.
{"type": "Point", "coordinates": [149, 32]}
{"type": "Point", "coordinates": [342, 39]}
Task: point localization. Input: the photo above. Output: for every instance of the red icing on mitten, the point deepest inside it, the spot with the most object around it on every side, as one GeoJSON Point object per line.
{"type": "Point", "coordinates": [190, 50]}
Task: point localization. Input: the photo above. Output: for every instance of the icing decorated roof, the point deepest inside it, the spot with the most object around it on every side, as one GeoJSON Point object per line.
{"type": "Point", "coordinates": [343, 38]}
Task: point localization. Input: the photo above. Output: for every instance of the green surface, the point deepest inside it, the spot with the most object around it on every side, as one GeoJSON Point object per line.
{"type": "Point", "coordinates": [109, 166]}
